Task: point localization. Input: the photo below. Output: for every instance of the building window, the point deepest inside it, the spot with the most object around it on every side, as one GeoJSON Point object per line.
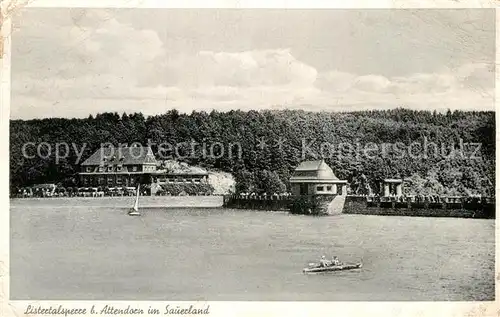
{"type": "Point", "coordinates": [329, 188]}
{"type": "Point", "coordinates": [85, 181]}
{"type": "Point", "coordinates": [119, 168]}
{"type": "Point", "coordinates": [101, 168]}
{"type": "Point", "coordinates": [320, 188]}
{"type": "Point", "coordinates": [132, 181]}
{"type": "Point", "coordinates": [134, 169]}
{"type": "Point", "coordinates": [89, 169]}
{"type": "Point", "coordinates": [197, 180]}
{"type": "Point", "coordinates": [110, 168]}
{"type": "Point", "coordinates": [110, 180]}
{"type": "Point", "coordinates": [101, 180]}
{"type": "Point", "coordinates": [118, 179]}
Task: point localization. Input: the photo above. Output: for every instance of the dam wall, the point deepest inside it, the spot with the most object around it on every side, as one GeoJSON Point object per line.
{"type": "Point", "coordinates": [460, 209]}
{"type": "Point", "coordinates": [381, 206]}
{"type": "Point", "coordinates": [274, 203]}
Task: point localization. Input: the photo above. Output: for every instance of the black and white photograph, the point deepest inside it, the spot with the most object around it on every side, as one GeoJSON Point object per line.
{"type": "Point", "coordinates": [251, 154]}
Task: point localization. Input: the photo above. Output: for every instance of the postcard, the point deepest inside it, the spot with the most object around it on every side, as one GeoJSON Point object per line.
{"type": "Point", "coordinates": [246, 158]}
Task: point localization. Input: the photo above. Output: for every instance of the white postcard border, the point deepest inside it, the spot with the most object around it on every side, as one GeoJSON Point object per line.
{"type": "Point", "coordinates": [17, 308]}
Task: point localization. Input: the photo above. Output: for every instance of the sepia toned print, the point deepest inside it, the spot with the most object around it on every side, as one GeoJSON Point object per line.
{"type": "Point", "coordinates": [252, 155]}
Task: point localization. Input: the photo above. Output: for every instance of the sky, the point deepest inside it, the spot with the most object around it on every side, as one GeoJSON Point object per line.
{"type": "Point", "coordinates": [76, 62]}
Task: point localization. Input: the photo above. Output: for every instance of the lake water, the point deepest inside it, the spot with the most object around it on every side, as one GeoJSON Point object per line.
{"type": "Point", "coordinates": [74, 249]}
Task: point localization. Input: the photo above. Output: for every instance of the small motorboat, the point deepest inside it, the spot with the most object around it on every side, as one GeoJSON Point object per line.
{"type": "Point", "coordinates": [332, 268]}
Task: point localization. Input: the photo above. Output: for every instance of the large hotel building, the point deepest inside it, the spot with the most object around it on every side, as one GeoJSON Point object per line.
{"type": "Point", "coordinates": [127, 166]}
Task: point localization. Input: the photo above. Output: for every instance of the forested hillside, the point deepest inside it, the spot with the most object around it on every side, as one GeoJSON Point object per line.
{"type": "Point", "coordinates": [272, 144]}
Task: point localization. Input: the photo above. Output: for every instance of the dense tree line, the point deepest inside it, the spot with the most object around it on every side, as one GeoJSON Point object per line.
{"type": "Point", "coordinates": [261, 148]}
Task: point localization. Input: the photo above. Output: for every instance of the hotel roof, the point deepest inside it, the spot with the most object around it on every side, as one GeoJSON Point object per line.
{"type": "Point", "coordinates": [121, 155]}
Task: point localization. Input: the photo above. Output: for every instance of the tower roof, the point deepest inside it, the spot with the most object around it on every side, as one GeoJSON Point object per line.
{"type": "Point", "coordinates": [310, 165]}
{"type": "Point", "coordinates": [314, 171]}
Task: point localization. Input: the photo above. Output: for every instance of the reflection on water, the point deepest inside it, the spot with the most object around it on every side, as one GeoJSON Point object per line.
{"type": "Point", "coordinates": [88, 252]}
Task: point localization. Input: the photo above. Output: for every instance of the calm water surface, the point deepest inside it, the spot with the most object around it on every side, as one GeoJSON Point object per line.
{"type": "Point", "coordinates": [70, 249]}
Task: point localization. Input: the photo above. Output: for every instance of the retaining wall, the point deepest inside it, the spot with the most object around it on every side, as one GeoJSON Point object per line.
{"type": "Point", "coordinates": [360, 205]}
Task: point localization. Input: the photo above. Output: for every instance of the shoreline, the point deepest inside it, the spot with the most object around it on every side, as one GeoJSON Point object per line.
{"type": "Point", "coordinates": [352, 206]}
{"type": "Point", "coordinates": [213, 201]}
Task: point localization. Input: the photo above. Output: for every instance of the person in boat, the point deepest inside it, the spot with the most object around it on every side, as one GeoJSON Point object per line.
{"type": "Point", "coordinates": [324, 262]}
{"type": "Point", "coordinates": [336, 261]}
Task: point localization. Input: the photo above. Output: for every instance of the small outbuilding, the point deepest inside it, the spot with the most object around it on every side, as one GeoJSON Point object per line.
{"type": "Point", "coordinates": [316, 178]}
{"type": "Point", "coordinates": [393, 187]}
